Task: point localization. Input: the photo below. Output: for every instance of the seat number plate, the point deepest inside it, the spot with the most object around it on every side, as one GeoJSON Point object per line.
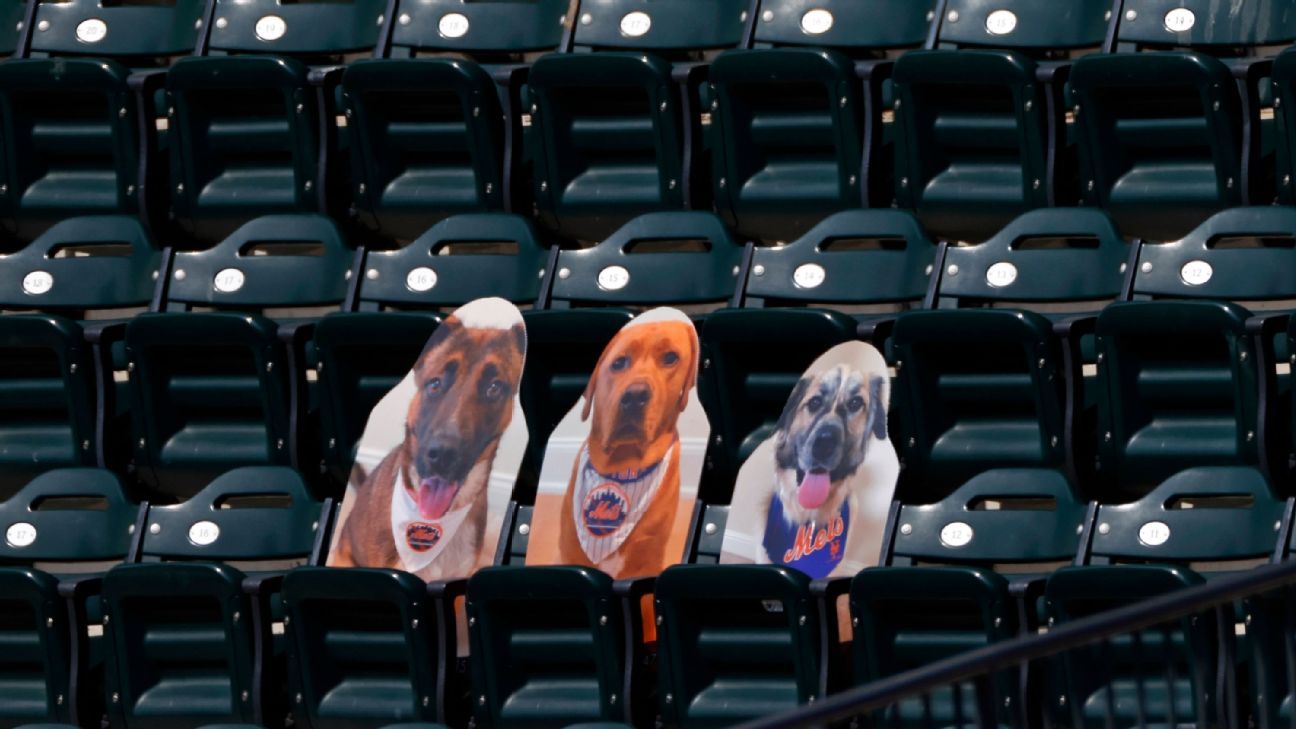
{"type": "Point", "coordinates": [1154, 533]}
{"type": "Point", "coordinates": [613, 278]}
{"type": "Point", "coordinates": [1001, 274]}
{"type": "Point", "coordinates": [20, 534]}
{"type": "Point", "coordinates": [956, 534]}
{"type": "Point", "coordinates": [453, 25]}
{"type": "Point", "coordinates": [203, 533]}
{"type": "Point", "coordinates": [809, 276]}
{"type": "Point", "coordinates": [37, 283]}
{"type": "Point", "coordinates": [1196, 273]}
{"type": "Point", "coordinates": [421, 279]}
{"type": "Point", "coordinates": [817, 21]}
{"type": "Point", "coordinates": [1001, 22]}
{"type": "Point", "coordinates": [91, 30]}
{"type": "Point", "coordinates": [271, 28]}
{"type": "Point", "coordinates": [229, 280]}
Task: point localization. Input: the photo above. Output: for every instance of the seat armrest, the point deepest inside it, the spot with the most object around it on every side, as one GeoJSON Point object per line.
{"type": "Point", "coordinates": [687, 74]}
{"type": "Point", "coordinates": [1267, 325]}
{"type": "Point", "coordinates": [296, 334]}
{"type": "Point", "coordinates": [447, 590]}
{"type": "Point", "coordinates": [146, 81]}
{"type": "Point", "coordinates": [1026, 592]}
{"type": "Point", "coordinates": [878, 69]}
{"type": "Point", "coordinates": [876, 331]}
{"type": "Point", "coordinates": [325, 76]}
{"type": "Point", "coordinates": [104, 332]}
{"type": "Point", "coordinates": [79, 588]}
{"type": "Point", "coordinates": [1053, 72]}
{"type": "Point", "coordinates": [1249, 69]}
{"type": "Point", "coordinates": [830, 588]}
{"type": "Point", "coordinates": [1075, 327]}
{"type": "Point", "coordinates": [512, 74]}
{"type": "Point", "coordinates": [634, 588]}
{"type": "Point", "coordinates": [262, 586]}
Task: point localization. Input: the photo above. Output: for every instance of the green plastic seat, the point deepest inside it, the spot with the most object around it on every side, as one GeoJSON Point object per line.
{"type": "Point", "coordinates": [1170, 128]}
{"type": "Point", "coordinates": [682, 259]}
{"type": "Point", "coordinates": [548, 647]}
{"type": "Point", "coordinates": [72, 128]}
{"type": "Point", "coordinates": [799, 117]}
{"type": "Point", "coordinates": [977, 390]}
{"type": "Point", "coordinates": [11, 14]}
{"type": "Point", "coordinates": [246, 120]}
{"type": "Point", "coordinates": [398, 303]}
{"type": "Point", "coordinates": [367, 647]}
{"type": "Point", "coordinates": [434, 134]}
{"type": "Point", "coordinates": [57, 365]}
{"type": "Point", "coordinates": [224, 388]}
{"type": "Point", "coordinates": [791, 311]}
{"type": "Point", "coordinates": [73, 522]}
{"type": "Point", "coordinates": [1161, 677]}
{"type": "Point", "coordinates": [907, 618]}
{"type": "Point", "coordinates": [616, 132]}
{"type": "Point", "coordinates": [979, 137]}
{"type": "Point", "coordinates": [1179, 389]}
{"type": "Point", "coordinates": [192, 635]}
{"type": "Point", "coordinates": [735, 642]}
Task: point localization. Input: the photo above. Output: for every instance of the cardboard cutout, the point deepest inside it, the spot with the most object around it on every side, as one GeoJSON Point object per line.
{"type": "Point", "coordinates": [815, 494]}
{"type": "Point", "coordinates": [440, 453]}
{"type": "Point", "coordinates": [621, 471]}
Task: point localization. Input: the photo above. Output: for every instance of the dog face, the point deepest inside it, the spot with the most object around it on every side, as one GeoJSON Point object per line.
{"type": "Point", "coordinates": [642, 384]}
{"type": "Point", "coordinates": [466, 379]}
{"type": "Point", "coordinates": [824, 432]}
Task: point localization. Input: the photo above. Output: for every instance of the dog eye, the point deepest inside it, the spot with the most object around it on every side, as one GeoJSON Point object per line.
{"type": "Point", "coordinates": [620, 363]}
{"type": "Point", "coordinates": [434, 385]}
{"type": "Point", "coordinates": [670, 358]}
{"type": "Point", "coordinates": [855, 403]}
{"type": "Point", "coordinates": [815, 403]}
{"type": "Point", "coordinates": [495, 389]}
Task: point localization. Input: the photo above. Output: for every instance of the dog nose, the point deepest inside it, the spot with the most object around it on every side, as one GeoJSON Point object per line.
{"type": "Point", "coordinates": [825, 443]}
{"type": "Point", "coordinates": [635, 397]}
{"type": "Point", "coordinates": [440, 455]}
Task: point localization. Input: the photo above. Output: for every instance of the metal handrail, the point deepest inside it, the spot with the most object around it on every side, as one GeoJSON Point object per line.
{"type": "Point", "coordinates": [1017, 651]}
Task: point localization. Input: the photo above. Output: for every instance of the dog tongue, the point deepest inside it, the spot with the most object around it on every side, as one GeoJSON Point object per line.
{"type": "Point", "coordinates": [435, 495]}
{"type": "Point", "coordinates": [813, 490]}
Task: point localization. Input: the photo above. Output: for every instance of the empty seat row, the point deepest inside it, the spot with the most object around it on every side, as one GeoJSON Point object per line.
{"type": "Point", "coordinates": [563, 114]}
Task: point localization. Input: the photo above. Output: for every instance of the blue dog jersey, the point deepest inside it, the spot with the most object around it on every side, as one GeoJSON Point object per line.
{"type": "Point", "coordinates": [812, 548]}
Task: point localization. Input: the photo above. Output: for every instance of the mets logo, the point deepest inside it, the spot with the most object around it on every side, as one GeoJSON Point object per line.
{"type": "Point", "coordinates": [605, 510]}
{"type": "Point", "coordinates": [422, 537]}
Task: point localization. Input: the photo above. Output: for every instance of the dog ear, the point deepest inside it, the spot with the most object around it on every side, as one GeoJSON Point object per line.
{"type": "Point", "coordinates": [793, 402]}
{"type": "Point", "coordinates": [692, 370]}
{"type": "Point", "coordinates": [520, 338]}
{"type": "Point", "coordinates": [443, 332]}
{"type": "Point", "coordinates": [877, 409]}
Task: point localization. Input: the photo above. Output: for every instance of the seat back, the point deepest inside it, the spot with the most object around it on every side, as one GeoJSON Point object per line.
{"type": "Point", "coordinates": [68, 515]}
{"type": "Point", "coordinates": [1000, 516]}
{"type": "Point", "coordinates": [978, 390]}
{"type": "Point", "coordinates": [846, 25]}
{"type": "Point", "coordinates": [273, 261]}
{"type": "Point", "coordinates": [1199, 24]}
{"type": "Point", "coordinates": [309, 29]}
{"type": "Point", "coordinates": [546, 647]}
{"type": "Point", "coordinates": [851, 257]}
{"type": "Point", "coordinates": [478, 27]}
{"type": "Point", "coordinates": [249, 514]}
{"type": "Point", "coordinates": [1025, 26]}
{"type": "Point", "coordinates": [1178, 389]}
{"type": "Point", "coordinates": [461, 258]}
{"type": "Point", "coordinates": [658, 258]}
{"type": "Point", "coordinates": [82, 264]}
{"type": "Point", "coordinates": [1238, 254]}
{"type": "Point", "coordinates": [1215, 514]}
{"type": "Point", "coordinates": [735, 642]}
{"type": "Point", "coordinates": [111, 30]}
{"type": "Point", "coordinates": [362, 644]}
{"type": "Point", "coordinates": [661, 25]}
{"type": "Point", "coordinates": [1049, 256]}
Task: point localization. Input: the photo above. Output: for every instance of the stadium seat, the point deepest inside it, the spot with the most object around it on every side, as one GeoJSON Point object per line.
{"type": "Point", "coordinates": [57, 356]}
{"type": "Point", "coordinates": [794, 307]}
{"type": "Point", "coordinates": [799, 117]}
{"type": "Point", "coordinates": [224, 388]}
{"type": "Point", "coordinates": [248, 121]}
{"type": "Point", "coordinates": [1167, 137]}
{"type": "Point", "coordinates": [979, 120]}
{"type": "Point", "coordinates": [192, 636]}
{"type": "Point", "coordinates": [548, 647]}
{"type": "Point", "coordinates": [615, 130]}
{"type": "Point", "coordinates": [73, 522]}
{"type": "Point", "coordinates": [398, 303]}
{"type": "Point", "coordinates": [735, 642]}
{"type": "Point", "coordinates": [435, 135]}
{"type": "Point", "coordinates": [72, 117]}
{"type": "Point", "coordinates": [366, 647]}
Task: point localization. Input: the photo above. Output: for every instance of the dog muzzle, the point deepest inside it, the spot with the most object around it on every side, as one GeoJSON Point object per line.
{"type": "Point", "coordinates": [420, 541]}
{"type": "Point", "coordinates": [606, 507]}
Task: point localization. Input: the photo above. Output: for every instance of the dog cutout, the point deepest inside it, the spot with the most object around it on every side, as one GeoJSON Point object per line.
{"type": "Point", "coordinates": [450, 439]}
{"type": "Point", "coordinates": [620, 475]}
{"type": "Point", "coordinates": [815, 494]}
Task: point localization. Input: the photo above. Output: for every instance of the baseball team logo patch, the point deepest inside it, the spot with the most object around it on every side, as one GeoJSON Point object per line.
{"type": "Point", "coordinates": [422, 537]}
{"type": "Point", "coordinates": [605, 509]}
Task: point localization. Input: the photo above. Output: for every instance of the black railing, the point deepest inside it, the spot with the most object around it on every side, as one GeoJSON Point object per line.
{"type": "Point", "coordinates": [1073, 672]}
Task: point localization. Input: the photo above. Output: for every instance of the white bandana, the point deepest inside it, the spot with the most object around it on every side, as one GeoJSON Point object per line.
{"type": "Point", "coordinates": [606, 508]}
{"type": "Point", "coordinates": [419, 541]}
